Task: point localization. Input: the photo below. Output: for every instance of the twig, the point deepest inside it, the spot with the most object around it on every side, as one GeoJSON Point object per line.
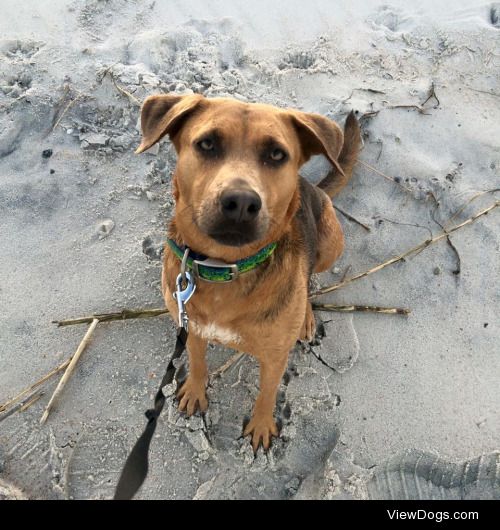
{"type": "Point", "coordinates": [68, 106]}
{"type": "Point", "coordinates": [351, 218]}
{"type": "Point", "coordinates": [392, 179]}
{"type": "Point", "coordinates": [125, 314]}
{"type": "Point", "coordinates": [347, 269]}
{"type": "Point", "coordinates": [32, 400]}
{"type": "Point", "coordinates": [320, 359]}
{"type": "Point", "coordinates": [22, 405]}
{"type": "Point", "coordinates": [69, 370]}
{"type": "Point", "coordinates": [130, 96]}
{"type": "Point", "coordinates": [432, 95]}
{"type": "Point", "coordinates": [42, 380]}
{"type": "Point", "coordinates": [404, 224]}
{"type": "Point", "coordinates": [372, 90]}
{"type": "Point", "coordinates": [381, 143]}
{"type": "Point", "coordinates": [225, 367]}
{"type": "Point", "coordinates": [416, 107]}
{"type": "Point", "coordinates": [412, 250]}
{"type": "Point", "coordinates": [369, 114]}
{"type": "Point", "coordinates": [484, 92]}
{"type": "Point", "coordinates": [364, 308]}
{"type": "Point", "coordinates": [455, 250]}
{"type": "Point", "coordinates": [473, 198]}
{"type": "Point", "coordinates": [457, 213]}
{"type": "Point", "coordinates": [448, 239]}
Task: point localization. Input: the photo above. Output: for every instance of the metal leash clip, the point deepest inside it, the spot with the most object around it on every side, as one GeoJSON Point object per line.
{"type": "Point", "coordinates": [185, 287]}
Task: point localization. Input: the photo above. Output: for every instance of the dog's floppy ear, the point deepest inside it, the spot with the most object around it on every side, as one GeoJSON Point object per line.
{"type": "Point", "coordinates": [162, 114]}
{"type": "Point", "coordinates": [318, 136]}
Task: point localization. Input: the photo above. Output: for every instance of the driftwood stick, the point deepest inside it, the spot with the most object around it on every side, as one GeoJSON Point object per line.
{"type": "Point", "coordinates": [22, 405]}
{"type": "Point", "coordinates": [392, 179]}
{"type": "Point", "coordinates": [32, 400]}
{"type": "Point", "coordinates": [232, 360]}
{"type": "Point", "coordinates": [68, 106]}
{"type": "Point", "coordinates": [69, 370]}
{"type": "Point", "coordinates": [473, 198]}
{"type": "Point", "coordinates": [126, 93]}
{"type": "Point", "coordinates": [364, 308]}
{"type": "Point", "coordinates": [412, 250]}
{"type": "Point", "coordinates": [416, 107]}
{"type": "Point", "coordinates": [432, 95]}
{"type": "Point", "coordinates": [125, 314]}
{"type": "Point", "coordinates": [351, 218]}
{"type": "Point", "coordinates": [32, 387]}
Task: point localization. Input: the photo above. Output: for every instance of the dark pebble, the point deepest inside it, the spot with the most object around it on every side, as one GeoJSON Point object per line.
{"type": "Point", "coordinates": [47, 153]}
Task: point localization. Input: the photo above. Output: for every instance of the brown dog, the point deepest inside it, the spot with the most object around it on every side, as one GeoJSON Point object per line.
{"type": "Point", "coordinates": [237, 190]}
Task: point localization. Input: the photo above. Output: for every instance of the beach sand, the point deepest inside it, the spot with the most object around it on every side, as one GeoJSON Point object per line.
{"type": "Point", "coordinates": [381, 406]}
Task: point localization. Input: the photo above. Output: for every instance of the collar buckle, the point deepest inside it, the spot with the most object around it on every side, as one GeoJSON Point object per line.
{"type": "Point", "coordinates": [216, 264]}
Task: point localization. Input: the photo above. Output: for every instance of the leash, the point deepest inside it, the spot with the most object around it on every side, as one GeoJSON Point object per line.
{"type": "Point", "coordinates": [136, 466]}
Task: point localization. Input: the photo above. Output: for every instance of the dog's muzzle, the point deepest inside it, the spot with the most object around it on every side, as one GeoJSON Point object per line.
{"type": "Point", "coordinates": [237, 222]}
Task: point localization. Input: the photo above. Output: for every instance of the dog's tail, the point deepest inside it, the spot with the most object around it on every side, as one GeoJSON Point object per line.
{"type": "Point", "coordinates": [334, 181]}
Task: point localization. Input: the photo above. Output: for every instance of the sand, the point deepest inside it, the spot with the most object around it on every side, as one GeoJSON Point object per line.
{"type": "Point", "coordinates": [82, 220]}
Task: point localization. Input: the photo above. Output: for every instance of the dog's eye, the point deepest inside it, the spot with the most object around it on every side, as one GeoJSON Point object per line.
{"type": "Point", "coordinates": [277, 155]}
{"type": "Point", "coordinates": [274, 156]}
{"type": "Point", "coordinates": [206, 145]}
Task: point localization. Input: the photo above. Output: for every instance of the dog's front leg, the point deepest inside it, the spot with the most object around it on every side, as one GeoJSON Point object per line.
{"type": "Point", "coordinates": [192, 394]}
{"type": "Point", "coordinates": [262, 425]}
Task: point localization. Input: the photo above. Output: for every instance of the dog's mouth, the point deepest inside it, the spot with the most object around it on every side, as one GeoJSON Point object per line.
{"type": "Point", "coordinates": [234, 234]}
{"type": "Point", "coordinates": [228, 229]}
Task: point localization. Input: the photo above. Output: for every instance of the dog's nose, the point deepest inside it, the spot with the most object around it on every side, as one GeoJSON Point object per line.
{"type": "Point", "coordinates": [240, 205]}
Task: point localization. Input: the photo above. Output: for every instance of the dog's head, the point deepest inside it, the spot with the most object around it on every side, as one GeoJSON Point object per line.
{"type": "Point", "coordinates": [236, 179]}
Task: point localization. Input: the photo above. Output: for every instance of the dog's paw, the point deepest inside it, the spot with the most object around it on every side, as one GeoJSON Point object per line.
{"type": "Point", "coordinates": [262, 428]}
{"type": "Point", "coordinates": [192, 397]}
{"type": "Point", "coordinates": [309, 327]}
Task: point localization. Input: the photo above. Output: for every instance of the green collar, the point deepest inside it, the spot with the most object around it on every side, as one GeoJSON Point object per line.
{"type": "Point", "coordinates": [214, 270]}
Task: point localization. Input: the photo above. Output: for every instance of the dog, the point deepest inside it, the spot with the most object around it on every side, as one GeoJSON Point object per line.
{"type": "Point", "coordinates": [239, 196]}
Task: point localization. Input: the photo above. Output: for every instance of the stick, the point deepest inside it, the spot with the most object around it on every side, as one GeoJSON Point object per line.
{"type": "Point", "coordinates": [45, 378]}
{"type": "Point", "coordinates": [69, 370]}
{"type": "Point", "coordinates": [68, 106]}
{"type": "Point", "coordinates": [448, 239]}
{"type": "Point", "coordinates": [432, 95]}
{"type": "Point", "coordinates": [32, 400]}
{"type": "Point", "coordinates": [351, 218]}
{"type": "Point", "coordinates": [473, 198]}
{"type": "Point", "coordinates": [347, 269]}
{"type": "Point", "coordinates": [130, 96]}
{"type": "Point", "coordinates": [369, 114]}
{"type": "Point", "coordinates": [22, 405]}
{"type": "Point", "coordinates": [416, 107]}
{"type": "Point", "coordinates": [124, 314]}
{"type": "Point", "coordinates": [392, 179]}
{"type": "Point", "coordinates": [412, 250]}
{"type": "Point", "coordinates": [235, 358]}
{"type": "Point", "coordinates": [364, 308]}
{"type": "Point", "coordinates": [484, 92]}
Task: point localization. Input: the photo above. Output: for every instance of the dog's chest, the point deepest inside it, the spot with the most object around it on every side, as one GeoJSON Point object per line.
{"type": "Point", "coordinates": [211, 311]}
{"type": "Point", "coordinates": [214, 332]}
